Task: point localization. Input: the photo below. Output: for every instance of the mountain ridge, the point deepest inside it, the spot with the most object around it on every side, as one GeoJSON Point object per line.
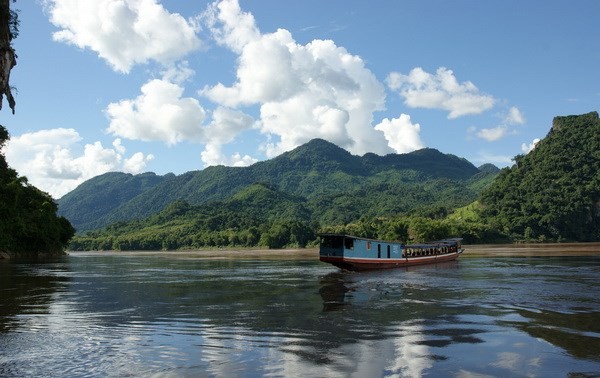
{"type": "Point", "coordinates": [317, 168]}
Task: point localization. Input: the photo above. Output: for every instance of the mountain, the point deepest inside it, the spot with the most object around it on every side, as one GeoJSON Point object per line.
{"type": "Point", "coordinates": [89, 202]}
{"type": "Point", "coordinates": [319, 172]}
{"type": "Point", "coordinates": [256, 214]}
{"type": "Point", "coordinates": [552, 193]}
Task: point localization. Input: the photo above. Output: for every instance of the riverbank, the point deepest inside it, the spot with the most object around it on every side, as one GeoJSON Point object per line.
{"type": "Point", "coordinates": [241, 253]}
{"type": "Point", "coordinates": [29, 256]}
{"type": "Point", "coordinates": [532, 250]}
{"type": "Point", "coordinates": [487, 250]}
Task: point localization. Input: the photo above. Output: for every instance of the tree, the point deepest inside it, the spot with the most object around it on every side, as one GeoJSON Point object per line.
{"type": "Point", "coordinates": [28, 221]}
{"type": "Point", "coordinates": [9, 29]}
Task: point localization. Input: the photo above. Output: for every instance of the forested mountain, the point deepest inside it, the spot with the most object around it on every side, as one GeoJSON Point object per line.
{"type": "Point", "coordinates": [96, 197]}
{"type": "Point", "coordinates": [336, 185]}
{"type": "Point", "coordinates": [29, 226]}
{"type": "Point", "coordinates": [552, 193]}
{"type": "Point", "coordinates": [257, 215]}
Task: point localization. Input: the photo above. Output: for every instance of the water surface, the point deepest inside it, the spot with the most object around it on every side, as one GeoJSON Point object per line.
{"type": "Point", "coordinates": [116, 314]}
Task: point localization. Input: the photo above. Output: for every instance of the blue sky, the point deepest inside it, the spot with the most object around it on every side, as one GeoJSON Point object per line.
{"type": "Point", "coordinates": [173, 86]}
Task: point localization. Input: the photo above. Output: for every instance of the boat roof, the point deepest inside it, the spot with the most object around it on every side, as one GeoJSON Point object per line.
{"type": "Point", "coordinates": [419, 245]}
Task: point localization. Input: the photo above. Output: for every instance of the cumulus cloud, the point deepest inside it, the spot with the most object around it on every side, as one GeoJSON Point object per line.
{"type": "Point", "coordinates": [124, 32]}
{"type": "Point", "coordinates": [511, 118]}
{"type": "Point", "coordinates": [493, 134]}
{"type": "Point", "coordinates": [514, 117]}
{"type": "Point", "coordinates": [527, 148]}
{"type": "Point", "coordinates": [226, 124]}
{"type": "Point", "coordinates": [230, 26]}
{"type": "Point", "coordinates": [212, 155]}
{"type": "Point", "coordinates": [317, 90]}
{"type": "Point", "coordinates": [441, 90]}
{"type": "Point", "coordinates": [160, 113]}
{"type": "Point", "coordinates": [46, 157]}
{"type": "Point", "coordinates": [402, 135]}
{"type": "Point", "coordinates": [178, 73]}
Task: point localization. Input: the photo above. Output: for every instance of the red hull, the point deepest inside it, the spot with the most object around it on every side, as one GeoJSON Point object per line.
{"type": "Point", "coordinates": [368, 264]}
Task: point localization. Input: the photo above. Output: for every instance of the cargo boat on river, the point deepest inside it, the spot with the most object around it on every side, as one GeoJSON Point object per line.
{"type": "Point", "coordinates": [355, 253]}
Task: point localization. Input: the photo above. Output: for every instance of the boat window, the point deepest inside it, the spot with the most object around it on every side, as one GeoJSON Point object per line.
{"type": "Point", "coordinates": [349, 243]}
{"type": "Point", "coordinates": [368, 245]}
{"type": "Point", "coordinates": [332, 241]}
{"type": "Point", "coordinates": [388, 251]}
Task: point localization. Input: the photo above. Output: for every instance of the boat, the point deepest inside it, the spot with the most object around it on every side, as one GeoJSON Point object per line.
{"type": "Point", "coordinates": [355, 253]}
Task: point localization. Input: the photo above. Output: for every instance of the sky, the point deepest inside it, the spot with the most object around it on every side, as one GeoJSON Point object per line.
{"type": "Point", "coordinates": [173, 86]}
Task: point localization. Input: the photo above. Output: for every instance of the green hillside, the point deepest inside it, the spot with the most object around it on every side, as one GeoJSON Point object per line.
{"type": "Point", "coordinates": [284, 201]}
{"type": "Point", "coordinates": [29, 225]}
{"type": "Point", "coordinates": [553, 193]}
{"type": "Point", "coordinates": [320, 172]}
{"type": "Point", "coordinates": [86, 205]}
{"type": "Point", "coordinates": [257, 215]}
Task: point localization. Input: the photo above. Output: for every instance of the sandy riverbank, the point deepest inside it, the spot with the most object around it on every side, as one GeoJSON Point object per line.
{"type": "Point", "coordinates": [543, 249]}
{"type": "Point", "coordinates": [489, 250]}
{"type": "Point", "coordinates": [299, 253]}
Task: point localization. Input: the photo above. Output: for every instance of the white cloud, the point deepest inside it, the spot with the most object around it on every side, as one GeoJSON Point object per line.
{"type": "Point", "coordinates": [178, 73]}
{"type": "Point", "coordinates": [401, 134]}
{"type": "Point", "coordinates": [226, 124]}
{"type": "Point", "coordinates": [317, 90]}
{"type": "Point", "coordinates": [527, 148]}
{"type": "Point", "coordinates": [230, 26]}
{"type": "Point", "coordinates": [440, 91]}
{"type": "Point", "coordinates": [123, 32]}
{"type": "Point", "coordinates": [137, 163]}
{"type": "Point", "coordinates": [212, 155]}
{"type": "Point", "coordinates": [493, 134]}
{"type": "Point", "coordinates": [160, 113]}
{"type": "Point", "coordinates": [46, 157]}
{"type": "Point", "coordinates": [514, 117]}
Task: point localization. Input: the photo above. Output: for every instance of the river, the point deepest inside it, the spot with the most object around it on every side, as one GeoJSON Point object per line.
{"type": "Point", "coordinates": [489, 314]}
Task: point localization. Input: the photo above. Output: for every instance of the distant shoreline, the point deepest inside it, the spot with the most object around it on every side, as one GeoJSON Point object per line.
{"type": "Point", "coordinates": [479, 250]}
{"type": "Point", "coordinates": [539, 249]}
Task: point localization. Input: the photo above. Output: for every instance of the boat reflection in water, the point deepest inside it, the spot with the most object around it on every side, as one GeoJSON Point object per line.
{"type": "Point", "coordinates": [355, 253]}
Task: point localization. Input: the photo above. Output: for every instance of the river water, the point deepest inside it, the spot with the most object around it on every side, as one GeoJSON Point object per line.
{"type": "Point", "coordinates": [179, 315]}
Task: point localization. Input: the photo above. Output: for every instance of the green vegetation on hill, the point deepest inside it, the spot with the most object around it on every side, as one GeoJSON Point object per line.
{"type": "Point", "coordinates": [87, 204]}
{"type": "Point", "coordinates": [257, 215]}
{"type": "Point", "coordinates": [280, 202]}
{"type": "Point", "coordinates": [553, 193]}
{"type": "Point", "coordinates": [320, 172]}
{"type": "Point", "coordinates": [29, 225]}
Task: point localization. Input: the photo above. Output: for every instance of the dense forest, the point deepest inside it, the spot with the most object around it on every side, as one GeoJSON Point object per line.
{"type": "Point", "coordinates": [551, 194]}
{"type": "Point", "coordinates": [29, 225]}
{"type": "Point", "coordinates": [338, 186]}
{"type": "Point", "coordinates": [282, 202]}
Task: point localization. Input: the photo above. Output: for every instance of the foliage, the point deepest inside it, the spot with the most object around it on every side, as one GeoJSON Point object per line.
{"type": "Point", "coordinates": [336, 187]}
{"type": "Point", "coordinates": [28, 221]}
{"type": "Point", "coordinates": [259, 216]}
{"type": "Point", "coordinates": [89, 202]}
{"type": "Point", "coordinates": [553, 193]}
